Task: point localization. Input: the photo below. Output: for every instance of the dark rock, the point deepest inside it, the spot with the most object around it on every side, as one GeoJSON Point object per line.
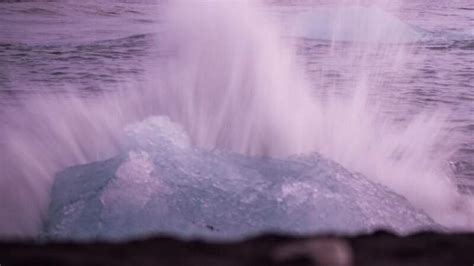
{"type": "Point", "coordinates": [379, 248]}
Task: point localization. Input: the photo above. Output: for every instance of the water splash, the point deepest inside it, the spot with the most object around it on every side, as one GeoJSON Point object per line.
{"type": "Point", "coordinates": [234, 84]}
{"type": "Point", "coordinates": [238, 87]}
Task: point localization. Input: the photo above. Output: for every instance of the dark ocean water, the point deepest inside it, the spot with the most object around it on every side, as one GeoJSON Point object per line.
{"type": "Point", "coordinates": [90, 47]}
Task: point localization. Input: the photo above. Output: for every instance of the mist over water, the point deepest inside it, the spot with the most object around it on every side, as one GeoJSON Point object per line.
{"type": "Point", "coordinates": [231, 79]}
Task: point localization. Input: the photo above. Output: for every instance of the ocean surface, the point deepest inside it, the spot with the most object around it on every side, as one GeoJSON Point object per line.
{"type": "Point", "coordinates": [92, 48]}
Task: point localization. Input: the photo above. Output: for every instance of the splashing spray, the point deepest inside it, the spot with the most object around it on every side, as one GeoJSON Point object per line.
{"type": "Point", "coordinates": [234, 84]}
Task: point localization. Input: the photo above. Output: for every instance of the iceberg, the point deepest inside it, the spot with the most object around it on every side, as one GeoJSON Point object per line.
{"type": "Point", "coordinates": [162, 184]}
{"type": "Point", "coordinates": [352, 24]}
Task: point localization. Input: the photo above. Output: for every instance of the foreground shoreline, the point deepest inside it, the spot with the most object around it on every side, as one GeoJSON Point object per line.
{"type": "Point", "coordinates": [379, 248]}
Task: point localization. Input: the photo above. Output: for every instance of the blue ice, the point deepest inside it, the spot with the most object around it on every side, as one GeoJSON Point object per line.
{"type": "Point", "coordinates": [163, 185]}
